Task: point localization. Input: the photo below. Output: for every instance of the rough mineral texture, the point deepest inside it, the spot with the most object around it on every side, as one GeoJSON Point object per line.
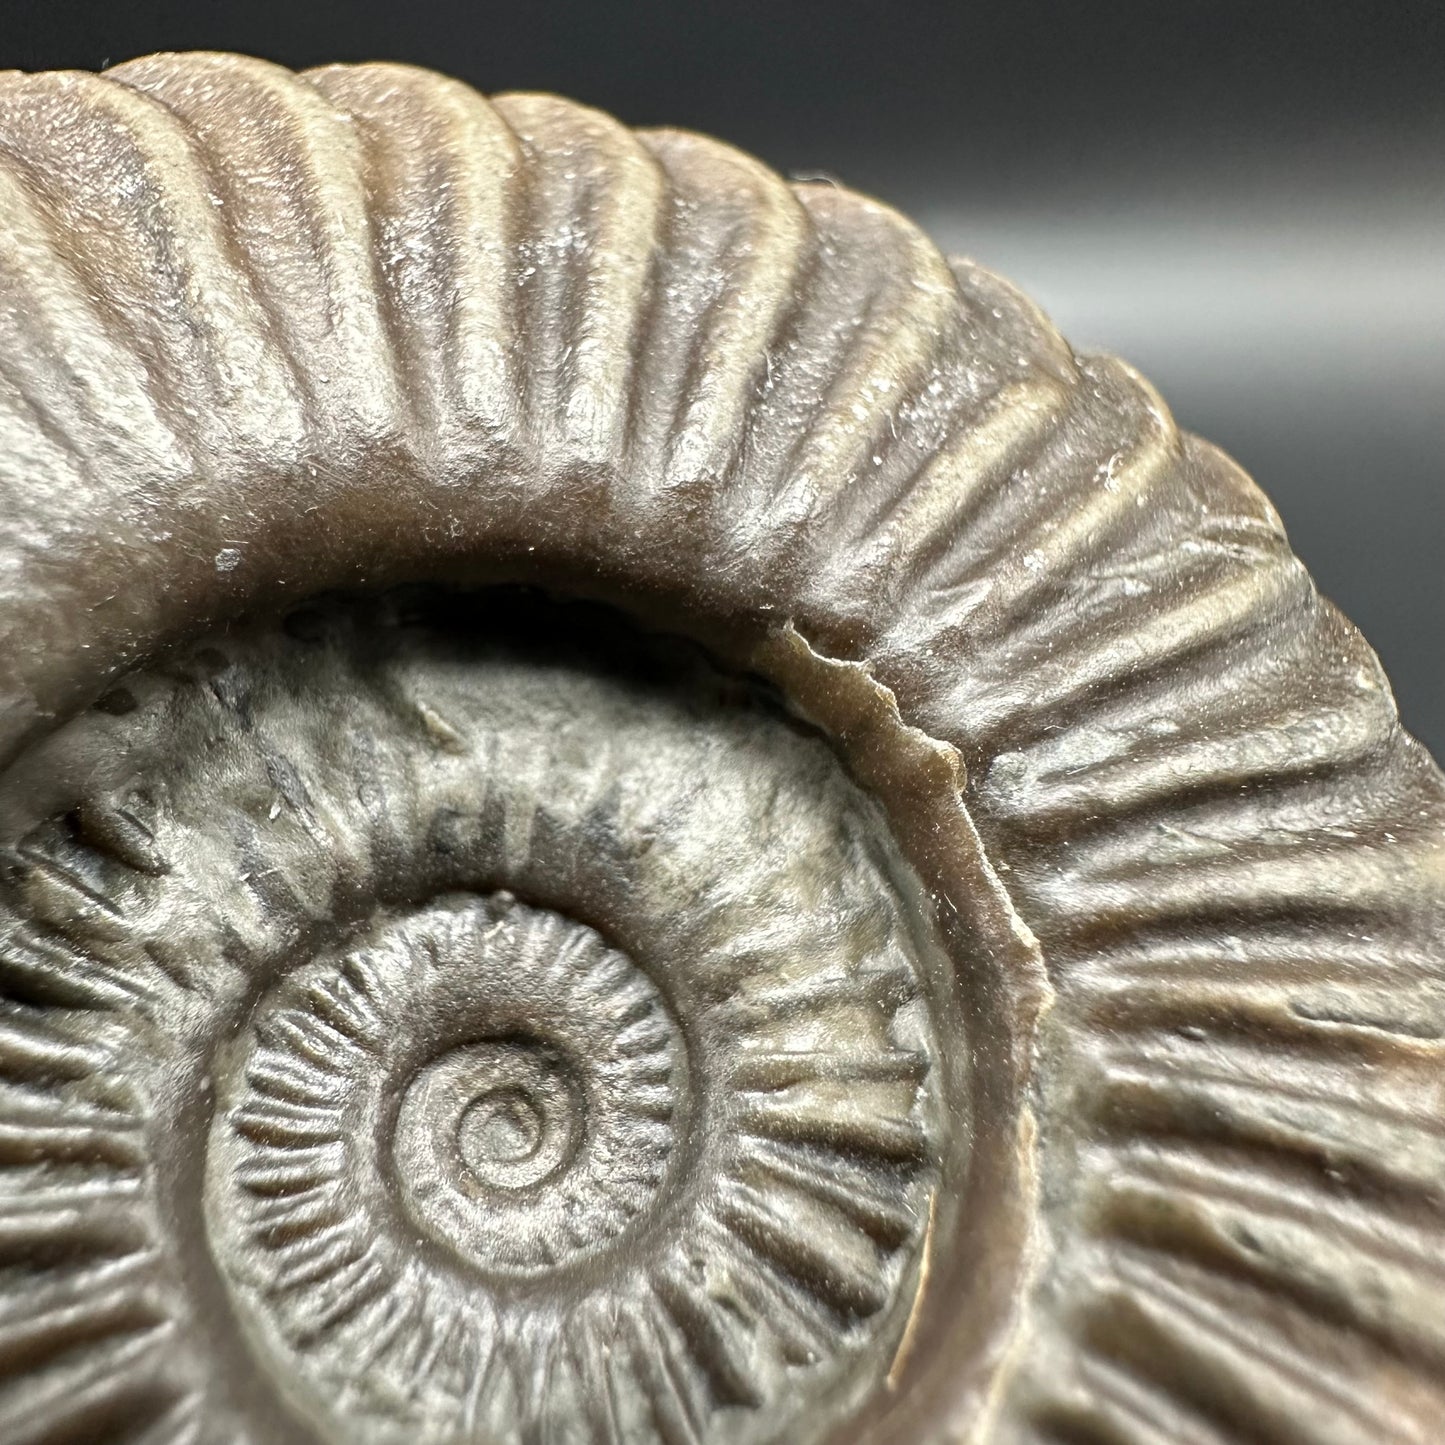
{"type": "Point", "coordinates": [634, 812]}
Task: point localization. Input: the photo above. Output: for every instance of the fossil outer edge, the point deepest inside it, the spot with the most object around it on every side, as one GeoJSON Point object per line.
{"type": "Point", "coordinates": [265, 335]}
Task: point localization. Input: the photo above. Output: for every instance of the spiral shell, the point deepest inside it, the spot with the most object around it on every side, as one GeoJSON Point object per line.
{"type": "Point", "coordinates": [632, 810]}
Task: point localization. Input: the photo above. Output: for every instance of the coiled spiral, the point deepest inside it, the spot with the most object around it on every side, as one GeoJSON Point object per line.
{"type": "Point", "coordinates": [472, 1170]}
{"type": "Point", "coordinates": [633, 810]}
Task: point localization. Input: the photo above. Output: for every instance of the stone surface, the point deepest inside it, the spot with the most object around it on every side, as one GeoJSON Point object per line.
{"type": "Point", "coordinates": [633, 810]}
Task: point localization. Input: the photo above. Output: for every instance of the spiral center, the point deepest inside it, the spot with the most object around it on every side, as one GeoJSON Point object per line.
{"type": "Point", "coordinates": [497, 1116]}
{"type": "Point", "coordinates": [545, 1125]}
{"type": "Point", "coordinates": [501, 1130]}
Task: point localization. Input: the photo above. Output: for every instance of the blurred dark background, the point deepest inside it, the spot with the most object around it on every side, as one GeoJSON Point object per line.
{"type": "Point", "coordinates": [1245, 198]}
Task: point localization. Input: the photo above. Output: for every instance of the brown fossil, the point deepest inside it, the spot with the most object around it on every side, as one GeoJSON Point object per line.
{"type": "Point", "coordinates": [632, 810]}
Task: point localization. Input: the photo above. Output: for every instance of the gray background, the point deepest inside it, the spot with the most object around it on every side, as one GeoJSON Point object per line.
{"type": "Point", "coordinates": [1246, 200]}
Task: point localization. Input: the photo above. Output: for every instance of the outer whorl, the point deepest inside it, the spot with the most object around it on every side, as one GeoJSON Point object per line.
{"type": "Point", "coordinates": [634, 811]}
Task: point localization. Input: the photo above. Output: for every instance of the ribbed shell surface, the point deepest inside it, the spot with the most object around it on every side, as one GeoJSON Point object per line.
{"type": "Point", "coordinates": [265, 335]}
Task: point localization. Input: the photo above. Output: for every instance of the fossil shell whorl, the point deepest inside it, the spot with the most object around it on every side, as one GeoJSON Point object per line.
{"type": "Point", "coordinates": [459, 1128]}
{"type": "Point", "coordinates": [456, 1015]}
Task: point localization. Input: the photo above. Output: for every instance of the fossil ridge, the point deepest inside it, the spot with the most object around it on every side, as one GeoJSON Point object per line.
{"type": "Point", "coordinates": [633, 809]}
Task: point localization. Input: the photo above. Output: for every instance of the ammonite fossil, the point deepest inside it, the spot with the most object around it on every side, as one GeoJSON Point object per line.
{"type": "Point", "coordinates": [634, 811]}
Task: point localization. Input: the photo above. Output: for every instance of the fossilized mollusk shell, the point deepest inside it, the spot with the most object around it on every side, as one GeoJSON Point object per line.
{"type": "Point", "coordinates": [632, 811]}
